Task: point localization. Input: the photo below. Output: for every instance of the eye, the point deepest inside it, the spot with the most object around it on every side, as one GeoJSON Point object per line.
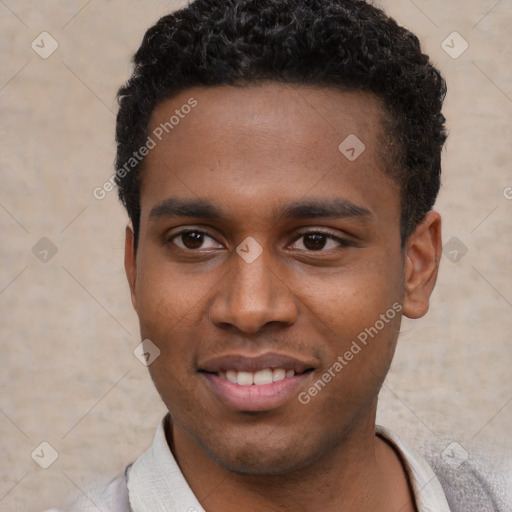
{"type": "Point", "coordinates": [312, 241]}
{"type": "Point", "coordinates": [317, 241]}
{"type": "Point", "coordinates": [193, 240]}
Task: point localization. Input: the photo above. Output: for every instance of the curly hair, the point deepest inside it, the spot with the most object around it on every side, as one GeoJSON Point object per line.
{"type": "Point", "coordinates": [346, 44]}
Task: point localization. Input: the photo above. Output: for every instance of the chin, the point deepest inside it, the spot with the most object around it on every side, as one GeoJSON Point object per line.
{"type": "Point", "coordinates": [256, 463]}
{"type": "Point", "coordinates": [251, 459]}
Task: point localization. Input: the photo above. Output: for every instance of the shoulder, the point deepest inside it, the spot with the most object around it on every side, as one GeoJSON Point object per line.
{"type": "Point", "coordinates": [471, 486]}
{"type": "Point", "coordinates": [479, 481]}
{"type": "Point", "coordinates": [111, 496]}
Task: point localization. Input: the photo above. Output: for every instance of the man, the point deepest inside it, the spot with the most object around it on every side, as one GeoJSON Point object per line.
{"type": "Point", "coordinates": [279, 161]}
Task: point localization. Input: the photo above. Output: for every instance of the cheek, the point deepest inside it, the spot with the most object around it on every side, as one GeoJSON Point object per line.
{"type": "Point", "coordinates": [358, 314]}
{"type": "Point", "coordinates": [347, 301]}
{"type": "Point", "coordinates": [163, 316]}
{"type": "Point", "coordinates": [164, 297]}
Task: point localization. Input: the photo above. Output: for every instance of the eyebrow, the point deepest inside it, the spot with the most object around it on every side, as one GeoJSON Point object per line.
{"type": "Point", "coordinates": [336, 208]}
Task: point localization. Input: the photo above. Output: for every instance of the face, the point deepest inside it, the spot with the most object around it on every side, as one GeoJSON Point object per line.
{"type": "Point", "coordinates": [267, 255]}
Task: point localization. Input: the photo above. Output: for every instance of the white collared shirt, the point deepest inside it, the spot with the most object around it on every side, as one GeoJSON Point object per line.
{"type": "Point", "coordinates": [156, 483]}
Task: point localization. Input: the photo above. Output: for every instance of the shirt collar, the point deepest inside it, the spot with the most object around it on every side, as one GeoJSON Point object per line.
{"type": "Point", "coordinates": [425, 485]}
{"type": "Point", "coordinates": [156, 483]}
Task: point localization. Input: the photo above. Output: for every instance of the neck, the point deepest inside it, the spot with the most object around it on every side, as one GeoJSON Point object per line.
{"type": "Point", "coordinates": [362, 473]}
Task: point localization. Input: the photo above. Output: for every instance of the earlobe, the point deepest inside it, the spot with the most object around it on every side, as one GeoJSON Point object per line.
{"type": "Point", "coordinates": [423, 254]}
{"type": "Point", "coordinates": [130, 262]}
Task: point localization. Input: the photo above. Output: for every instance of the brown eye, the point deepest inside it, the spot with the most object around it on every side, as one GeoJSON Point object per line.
{"type": "Point", "coordinates": [193, 240]}
{"type": "Point", "coordinates": [317, 241]}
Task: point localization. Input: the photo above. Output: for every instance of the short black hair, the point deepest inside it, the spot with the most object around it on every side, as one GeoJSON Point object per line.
{"type": "Point", "coordinates": [346, 44]}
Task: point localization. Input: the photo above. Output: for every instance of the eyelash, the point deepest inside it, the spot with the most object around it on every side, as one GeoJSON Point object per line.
{"type": "Point", "coordinates": [342, 242]}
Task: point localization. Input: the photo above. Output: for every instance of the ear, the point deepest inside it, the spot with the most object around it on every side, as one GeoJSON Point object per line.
{"type": "Point", "coordinates": [130, 261]}
{"type": "Point", "coordinates": [423, 254]}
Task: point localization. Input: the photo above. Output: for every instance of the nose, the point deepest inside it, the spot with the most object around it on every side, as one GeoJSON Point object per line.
{"type": "Point", "coordinates": [253, 295]}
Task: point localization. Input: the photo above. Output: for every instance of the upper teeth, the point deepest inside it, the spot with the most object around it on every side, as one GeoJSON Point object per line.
{"type": "Point", "coordinates": [258, 378]}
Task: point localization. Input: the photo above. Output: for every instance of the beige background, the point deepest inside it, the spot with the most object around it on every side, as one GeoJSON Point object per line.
{"type": "Point", "coordinates": [67, 332]}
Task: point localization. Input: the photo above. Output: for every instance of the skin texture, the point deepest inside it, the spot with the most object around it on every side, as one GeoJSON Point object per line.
{"type": "Point", "coordinates": [250, 151]}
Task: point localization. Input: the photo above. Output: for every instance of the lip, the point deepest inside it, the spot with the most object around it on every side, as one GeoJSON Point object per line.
{"type": "Point", "coordinates": [255, 398]}
{"type": "Point", "coordinates": [254, 363]}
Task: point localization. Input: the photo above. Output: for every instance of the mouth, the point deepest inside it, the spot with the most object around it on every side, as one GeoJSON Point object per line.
{"type": "Point", "coordinates": [258, 383]}
{"type": "Point", "coordinates": [258, 378]}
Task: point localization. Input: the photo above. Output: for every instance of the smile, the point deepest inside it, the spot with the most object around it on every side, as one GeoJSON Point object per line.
{"type": "Point", "coordinates": [250, 382]}
{"type": "Point", "coordinates": [259, 378]}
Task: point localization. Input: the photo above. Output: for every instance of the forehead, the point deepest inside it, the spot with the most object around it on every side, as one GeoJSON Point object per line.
{"type": "Point", "coordinates": [268, 143]}
{"type": "Point", "coordinates": [272, 114]}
